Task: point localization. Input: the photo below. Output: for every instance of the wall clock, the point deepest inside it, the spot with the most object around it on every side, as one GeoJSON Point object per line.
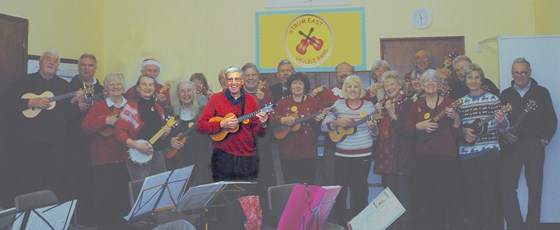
{"type": "Point", "coordinates": [421, 18]}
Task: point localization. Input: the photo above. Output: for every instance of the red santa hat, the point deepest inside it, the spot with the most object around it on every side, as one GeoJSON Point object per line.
{"type": "Point", "coordinates": [150, 61]}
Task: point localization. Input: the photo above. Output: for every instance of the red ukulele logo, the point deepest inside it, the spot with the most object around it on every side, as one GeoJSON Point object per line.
{"type": "Point", "coordinates": [313, 41]}
{"type": "Point", "coordinates": [308, 40]}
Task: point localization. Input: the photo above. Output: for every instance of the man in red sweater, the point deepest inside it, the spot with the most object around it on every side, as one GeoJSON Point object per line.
{"type": "Point", "coordinates": [235, 157]}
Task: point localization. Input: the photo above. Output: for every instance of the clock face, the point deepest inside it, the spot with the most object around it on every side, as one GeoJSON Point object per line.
{"type": "Point", "coordinates": [421, 18]}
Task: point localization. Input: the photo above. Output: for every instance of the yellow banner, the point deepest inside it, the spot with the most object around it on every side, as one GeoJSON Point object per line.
{"type": "Point", "coordinates": [313, 40]}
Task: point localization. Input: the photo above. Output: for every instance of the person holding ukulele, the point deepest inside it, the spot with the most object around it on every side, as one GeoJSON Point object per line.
{"type": "Point", "coordinates": [352, 153]}
{"type": "Point", "coordinates": [110, 175]}
{"type": "Point", "coordinates": [234, 157]}
{"type": "Point", "coordinates": [187, 146]}
{"type": "Point", "coordinates": [298, 149]}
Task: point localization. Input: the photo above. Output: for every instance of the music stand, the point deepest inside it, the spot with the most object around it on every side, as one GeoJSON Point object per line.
{"type": "Point", "coordinates": [308, 206]}
{"type": "Point", "coordinates": [217, 194]}
{"type": "Point", "coordinates": [198, 199]}
{"type": "Point", "coordinates": [53, 217]}
{"type": "Point", "coordinates": [160, 192]}
{"type": "Point", "coordinates": [318, 216]}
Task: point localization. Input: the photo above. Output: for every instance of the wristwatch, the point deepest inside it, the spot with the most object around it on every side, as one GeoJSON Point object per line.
{"type": "Point", "coordinates": [544, 142]}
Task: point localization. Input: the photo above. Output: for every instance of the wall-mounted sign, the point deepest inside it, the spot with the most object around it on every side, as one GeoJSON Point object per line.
{"type": "Point", "coordinates": [313, 40]}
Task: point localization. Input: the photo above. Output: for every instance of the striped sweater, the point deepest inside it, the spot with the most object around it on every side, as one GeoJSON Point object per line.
{"type": "Point", "coordinates": [481, 107]}
{"type": "Point", "coordinates": [360, 143]}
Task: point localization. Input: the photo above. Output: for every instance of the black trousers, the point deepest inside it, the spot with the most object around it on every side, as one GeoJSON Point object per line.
{"type": "Point", "coordinates": [228, 167]}
{"type": "Point", "coordinates": [481, 190]}
{"type": "Point", "coordinates": [528, 153]}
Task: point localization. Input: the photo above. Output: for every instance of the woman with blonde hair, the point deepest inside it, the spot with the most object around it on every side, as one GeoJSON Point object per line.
{"type": "Point", "coordinates": [352, 153]}
{"type": "Point", "coordinates": [108, 156]}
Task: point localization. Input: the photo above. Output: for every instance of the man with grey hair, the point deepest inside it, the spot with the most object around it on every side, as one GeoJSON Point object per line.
{"type": "Point", "coordinates": [280, 89]}
{"type": "Point", "coordinates": [422, 61]}
{"type": "Point", "coordinates": [43, 141]}
{"type": "Point", "coordinates": [81, 160]}
{"type": "Point", "coordinates": [459, 87]}
{"type": "Point", "coordinates": [235, 154]}
{"type": "Point", "coordinates": [86, 80]}
{"type": "Point", "coordinates": [526, 142]}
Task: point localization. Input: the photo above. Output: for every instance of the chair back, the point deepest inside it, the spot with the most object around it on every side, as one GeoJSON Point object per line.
{"type": "Point", "coordinates": [35, 199]}
{"type": "Point", "coordinates": [277, 199]}
{"type": "Point", "coordinates": [134, 188]}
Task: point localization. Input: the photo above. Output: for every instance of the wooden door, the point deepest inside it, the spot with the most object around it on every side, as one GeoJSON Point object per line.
{"type": "Point", "coordinates": [13, 65]}
{"type": "Point", "coordinates": [13, 46]}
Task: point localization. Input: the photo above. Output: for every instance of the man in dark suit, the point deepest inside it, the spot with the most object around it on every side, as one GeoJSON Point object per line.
{"type": "Point", "coordinates": [280, 90]}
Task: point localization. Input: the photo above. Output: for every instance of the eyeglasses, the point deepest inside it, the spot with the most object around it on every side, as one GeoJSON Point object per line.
{"type": "Point", "coordinates": [237, 79]}
{"type": "Point", "coordinates": [525, 72]}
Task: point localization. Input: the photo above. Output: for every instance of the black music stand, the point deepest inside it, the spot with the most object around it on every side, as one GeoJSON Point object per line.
{"type": "Point", "coordinates": [318, 216]}
{"type": "Point", "coordinates": [198, 199]}
{"type": "Point", "coordinates": [53, 217]}
{"type": "Point", "coordinates": [160, 192]}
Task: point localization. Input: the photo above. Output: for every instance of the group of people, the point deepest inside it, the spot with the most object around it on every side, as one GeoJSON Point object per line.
{"type": "Point", "coordinates": [441, 139]}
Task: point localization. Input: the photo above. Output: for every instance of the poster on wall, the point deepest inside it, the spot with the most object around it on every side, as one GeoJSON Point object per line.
{"type": "Point", "coordinates": [67, 69]}
{"type": "Point", "coordinates": [312, 40]}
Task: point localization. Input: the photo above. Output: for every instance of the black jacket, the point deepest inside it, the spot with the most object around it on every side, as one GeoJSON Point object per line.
{"type": "Point", "coordinates": [540, 123]}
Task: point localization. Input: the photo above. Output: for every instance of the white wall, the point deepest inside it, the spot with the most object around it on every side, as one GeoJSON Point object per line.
{"type": "Point", "coordinates": [543, 52]}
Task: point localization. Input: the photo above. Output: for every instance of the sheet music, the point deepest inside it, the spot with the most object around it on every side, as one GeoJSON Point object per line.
{"type": "Point", "coordinates": [161, 191]}
{"type": "Point", "coordinates": [203, 195]}
{"type": "Point", "coordinates": [50, 217]}
{"type": "Point", "coordinates": [198, 196]}
{"type": "Point", "coordinates": [379, 214]}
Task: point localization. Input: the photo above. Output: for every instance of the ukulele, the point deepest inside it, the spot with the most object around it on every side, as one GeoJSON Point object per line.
{"type": "Point", "coordinates": [182, 137]}
{"type": "Point", "coordinates": [90, 96]}
{"type": "Point", "coordinates": [318, 90]}
{"type": "Point", "coordinates": [282, 131]}
{"type": "Point", "coordinates": [481, 126]}
{"type": "Point", "coordinates": [424, 136]}
{"type": "Point", "coordinates": [444, 90]}
{"type": "Point", "coordinates": [164, 88]}
{"type": "Point", "coordinates": [33, 112]}
{"type": "Point", "coordinates": [339, 133]}
{"type": "Point", "coordinates": [245, 119]}
{"type": "Point", "coordinates": [531, 105]}
{"type": "Point", "coordinates": [93, 98]}
{"type": "Point", "coordinates": [108, 130]}
{"type": "Point", "coordinates": [140, 158]}
{"type": "Point", "coordinates": [201, 90]}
